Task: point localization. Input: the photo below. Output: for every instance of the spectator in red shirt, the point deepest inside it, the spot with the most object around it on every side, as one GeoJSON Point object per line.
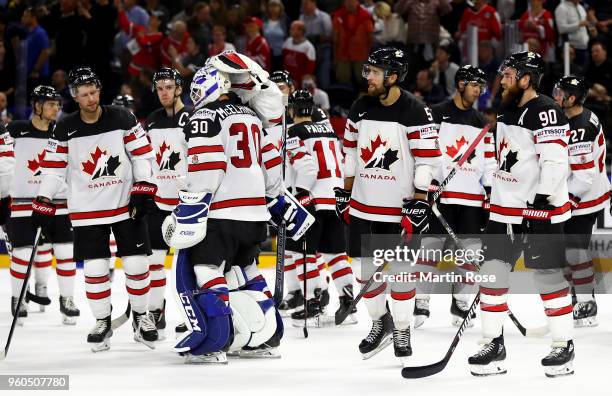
{"type": "Point", "coordinates": [146, 43]}
{"type": "Point", "coordinates": [257, 47]}
{"type": "Point", "coordinates": [485, 17]}
{"type": "Point", "coordinates": [177, 38]}
{"type": "Point", "coordinates": [353, 31]}
{"type": "Point", "coordinates": [537, 23]}
{"type": "Point", "coordinates": [298, 53]}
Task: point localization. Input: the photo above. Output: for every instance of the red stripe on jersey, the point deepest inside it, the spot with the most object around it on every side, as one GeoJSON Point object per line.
{"type": "Point", "coordinates": [276, 120]}
{"type": "Point", "coordinates": [96, 214]}
{"type": "Point", "coordinates": [54, 164]}
{"type": "Point", "coordinates": [349, 143]}
{"type": "Point", "coordinates": [273, 162]}
{"type": "Point", "coordinates": [380, 210]}
{"type": "Point", "coordinates": [296, 157]}
{"type": "Point", "coordinates": [215, 165]}
{"type": "Point", "coordinates": [426, 152]}
{"type": "Point", "coordinates": [217, 148]}
{"type": "Point", "coordinates": [489, 154]}
{"type": "Point", "coordinates": [324, 201]}
{"type": "Point", "coordinates": [493, 291]}
{"type": "Point", "coordinates": [129, 138]}
{"type": "Point", "coordinates": [581, 266]}
{"type": "Point", "coordinates": [24, 207]}
{"type": "Point", "coordinates": [558, 311]}
{"type": "Point", "coordinates": [600, 141]}
{"type": "Point", "coordinates": [451, 194]}
{"type": "Point", "coordinates": [342, 272]}
{"type": "Point", "coordinates": [167, 201]}
{"type": "Point", "coordinates": [414, 135]}
{"type": "Point", "coordinates": [61, 272]}
{"type": "Point", "coordinates": [487, 140]}
{"type": "Point", "coordinates": [230, 203]}
{"type": "Point", "coordinates": [98, 296]}
{"type": "Point", "coordinates": [267, 147]}
{"type": "Point", "coordinates": [586, 165]}
{"type": "Point", "coordinates": [519, 211]}
{"type": "Point", "coordinates": [403, 296]}
{"type": "Point", "coordinates": [7, 154]}
{"type": "Point", "coordinates": [138, 277]}
{"type": "Point", "coordinates": [558, 141]}
{"type": "Point", "coordinates": [97, 279]}
{"type": "Point", "coordinates": [138, 292]}
{"type": "Point", "coordinates": [17, 275]}
{"type": "Point", "coordinates": [351, 128]}
{"type": "Point", "coordinates": [142, 150]}
{"type": "Point", "coordinates": [214, 282]}
{"type": "Point", "coordinates": [61, 149]}
{"type": "Point", "coordinates": [557, 294]}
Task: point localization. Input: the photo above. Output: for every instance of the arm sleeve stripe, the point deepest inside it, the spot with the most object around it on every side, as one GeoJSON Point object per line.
{"type": "Point", "coordinates": [142, 150]}
{"type": "Point", "coordinates": [587, 165]}
{"type": "Point", "coordinates": [205, 149]}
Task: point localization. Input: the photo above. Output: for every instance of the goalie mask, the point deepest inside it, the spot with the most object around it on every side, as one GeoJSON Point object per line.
{"type": "Point", "coordinates": [208, 85]}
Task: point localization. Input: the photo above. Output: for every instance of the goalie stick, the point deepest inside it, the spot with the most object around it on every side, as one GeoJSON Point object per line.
{"type": "Point", "coordinates": [281, 238]}
{"type": "Point", "coordinates": [342, 316]}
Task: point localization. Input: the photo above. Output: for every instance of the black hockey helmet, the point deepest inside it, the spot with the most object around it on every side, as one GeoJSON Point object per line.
{"type": "Point", "coordinates": [167, 73]}
{"type": "Point", "coordinates": [43, 93]}
{"type": "Point", "coordinates": [82, 76]}
{"type": "Point", "coordinates": [469, 73]}
{"type": "Point", "coordinates": [124, 101]}
{"type": "Point", "coordinates": [572, 85]}
{"type": "Point", "coordinates": [390, 59]}
{"type": "Point", "coordinates": [302, 103]}
{"type": "Point", "coordinates": [281, 76]}
{"type": "Point", "coordinates": [525, 63]}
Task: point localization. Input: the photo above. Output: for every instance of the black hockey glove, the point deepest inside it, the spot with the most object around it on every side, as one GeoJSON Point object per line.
{"type": "Point", "coordinates": [5, 210]}
{"type": "Point", "coordinates": [574, 201]}
{"type": "Point", "coordinates": [537, 223]}
{"type": "Point", "coordinates": [343, 201]}
{"type": "Point", "coordinates": [43, 212]}
{"type": "Point", "coordinates": [415, 218]}
{"type": "Point", "coordinates": [142, 199]}
{"type": "Point", "coordinates": [305, 199]}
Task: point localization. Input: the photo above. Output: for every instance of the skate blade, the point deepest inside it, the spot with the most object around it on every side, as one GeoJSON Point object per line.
{"type": "Point", "coordinates": [69, 320]}
{"type": "Point", "coordinates": [101, 346]}
{"type": "Point", "coordinates": [457, 321]}
{"type": "Point", "coordinates": [350, 320]}
{"type": "Point", "coordinates": [206, 359]}
{"type": "Point", "coordinates": [388, 340]}
{"type": "Point", "coordinates": [315, 322]}
{"type": "Point", "coordinates": [586, 322]}
{"type": "Point", "coordinates": [486, 370]}
{"type": "Point", "coordinates": [270, 353]}
{"type": "Point", "coordinates": [419, 320]}
{"type": "Point", "coordinates": [559, 371]}
{"type": "Point", "coordinates": [149, 344]}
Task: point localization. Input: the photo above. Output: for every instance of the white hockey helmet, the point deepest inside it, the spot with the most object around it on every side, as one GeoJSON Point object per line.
{"type": "Point", "coordinates": [208, 85]}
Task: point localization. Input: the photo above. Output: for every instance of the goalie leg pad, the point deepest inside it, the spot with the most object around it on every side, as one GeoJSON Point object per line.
{"type": "Point", "coordinates": [254, 318]}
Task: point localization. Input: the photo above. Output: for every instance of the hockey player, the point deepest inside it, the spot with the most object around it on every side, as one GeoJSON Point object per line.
{"type": "Point", "coordinates": [461, 203]}
{"type": "Point", "coordinates": [233, 173]}
{"type": "Point", "coordinates": [392, 154]}
{"type": "Point", "coordinates": [104, 154]}
{"type": "Point", "coordinates": [165, 130]}
{"type": "Point", "coordinates": [529, 195]}
{"type": "Point", "coordinates": [589, 190]}
{"type": "Point", "coordinates": [327, 236]}
{"type": "Point", "coordinates": [23, 157]}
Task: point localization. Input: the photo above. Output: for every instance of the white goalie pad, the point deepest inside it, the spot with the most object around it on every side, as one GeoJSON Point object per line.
{"type": "Point", "coordinates": [252, 326]}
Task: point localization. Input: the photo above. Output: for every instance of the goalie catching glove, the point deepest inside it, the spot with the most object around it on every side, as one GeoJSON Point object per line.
{"type": "Point", "coordinates": [288, 209]}
{"type": "Point", "coordinates": [186, 226]}
{"type": "Point", "coordinates": [415, 217]}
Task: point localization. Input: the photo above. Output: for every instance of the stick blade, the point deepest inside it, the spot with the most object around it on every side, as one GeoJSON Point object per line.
{"type": "Point", "coordinates": [2, 355]}
{"type": "Point", "coordinates": [424, 371]}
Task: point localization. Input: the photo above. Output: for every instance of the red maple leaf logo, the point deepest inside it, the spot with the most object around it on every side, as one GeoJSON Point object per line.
{"type": "Point", "coordinates": [368, 153]}
{"type": "Point", "coordinates": [455, 149]}
{"type": "Point", "coordinates": [34, 165]}
{"type": "Point", "coordinates": [162, 149]}
{"type": "Point", "coordinates": [90, 166]}
{"type": "Point", "coordinates": [503, 145]}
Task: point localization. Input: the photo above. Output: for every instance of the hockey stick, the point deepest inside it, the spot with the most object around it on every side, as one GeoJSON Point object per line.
{"type": "Point", "coordinates": [37, 299]}
{"type": "Point", "coordinates": [305, 288]}
{"type": "Point", "coordinates": [22, 293]}
{"type": "Point", "coordinates": [436, 195]}
{"type": "Point", "coordinates": [281, 238]}
{"type": "Point", "coordinates": [120, 320]}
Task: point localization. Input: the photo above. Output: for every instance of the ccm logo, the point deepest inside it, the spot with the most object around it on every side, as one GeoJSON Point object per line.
{"type": "Point", "coordinates": [535, 213]}
{"type": "Point", "coordinates": [190, 313]}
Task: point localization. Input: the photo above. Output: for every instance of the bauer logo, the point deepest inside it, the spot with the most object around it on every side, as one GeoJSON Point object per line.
{"type": "Point", "coordinates": [190, 312]}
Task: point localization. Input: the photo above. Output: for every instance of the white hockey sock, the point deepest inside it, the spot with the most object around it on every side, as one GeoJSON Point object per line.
{"type": "Point", "coordinates": [65, 268]}
{"type": "Point", "coordinates": [210, 277]}
{"type": "Point", "coordinates": [291, 279]}
{"type": "Point", "coordinates": [19, 264]}
{"type": "Point", "coordinates": [341, 271]}
{"type": "Point", "coordinates": [313, 277]}
{"type": "Point", "coordinates": [402, 305]}
{"type": "Point", "coordinates": [137, 282]}
{"type": "Point", "coordinates": [42, 264]}
{"type": "Point", "coordinates": [97, 287]}
{"type": "Point", "coordinates": [583, 276]}
{"type": "Point", "coordinates": [494, 297]}
{"type": "Point", "coordinates": [253, 275]}
{"type": "Point", "coordinates": [554, 291]}
{"type": "Point", "coordinates": [374, 298]}
{"type": "Point", "coordinates": [323, 271]}
{"type": "Point", "coordinates": [158, 279]}
{"type": "Point", "coordinates": [426, 265]}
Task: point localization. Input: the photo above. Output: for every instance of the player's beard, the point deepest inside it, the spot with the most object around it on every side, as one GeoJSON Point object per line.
{"type": "Point", "coordinates": [376, 92]}
{"type": "Point", "coordinates": [511, 95]}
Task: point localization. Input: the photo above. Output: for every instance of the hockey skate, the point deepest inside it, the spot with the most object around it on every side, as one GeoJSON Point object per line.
{"type": "Point", "coordinates": [23, 310]}
{"type": "Point", "coordinates": [490, 359]}
{"type": "Point", "coordinates": [207, 358]}
{"type": "Point", "coordinates": [559, 361]}
{"type": "Point", "coordinates": [459, 310]}
{"type": "Point", "coordinates": [323, 297]}
{"type": "Point", "coordinates": [293, 300]}
{"type": "Point", "coordinates": [421, 311]}
{"type": "Point", "coordinates": [379, 337]}
{"type": "Point", "coordinates": [401, 344]}
{"type": "Point", "coordinates": [585, 314]}
{"type": "Point", "coordinates": [144, 329]}
{"type": "Point", "coordinates": [69, 311]}
{"type": "Point", "coordinates": [159, 318]}
{"type": "Point", "coordinates": [41, 291]}
{"type": "Point", "coordinates": [312, 312]}
{"type": "Point", "coordinates": [345, 303]}
{"type": "Point", "coordinates": [99, 337]}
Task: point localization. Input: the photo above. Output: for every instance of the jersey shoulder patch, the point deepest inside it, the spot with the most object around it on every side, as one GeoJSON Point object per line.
{"type": "Point", "coordinates": [202, 123]}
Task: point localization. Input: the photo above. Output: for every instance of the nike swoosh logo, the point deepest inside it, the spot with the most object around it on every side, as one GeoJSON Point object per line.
{"type": "Point", "coordinates": [139, 244]}
{"type": "Point", "coordinates": [362, 114]}
{"type": "Point", "coordinates": [445, 117]}
{"type": "Point", "coordinates": [535, 257]}
{"type": "Point", "coordinates": [500, 116]}
{"type": "Point", "coordinates": [24, 133]}
{"type": "Point", "coordinates": [150, 125]}
{"type": "Point", "coordinates": [72, 133]}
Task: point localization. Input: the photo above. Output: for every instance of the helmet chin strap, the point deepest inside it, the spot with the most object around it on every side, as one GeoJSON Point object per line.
{"type": "Point", "coordinates": [387, 90]}
{"type": "Point", "coordinates": [463, 102]}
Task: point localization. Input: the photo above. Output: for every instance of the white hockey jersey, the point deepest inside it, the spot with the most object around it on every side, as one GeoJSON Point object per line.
{"type": "Point", "coordinates": [230, 156]}
{"type": "Point", "coordinates": [457, 130]}
{"type": "Point", "coordinates": [390, 151]}
{"type": "Point", "coordinates": [99, 162]}
{"type": "Point", "coordinates": [588, 180]}
{"type": "Point", "coordinates": [28, 146]}
{"type": "Point", "coordinates": [323, 148]}
{"type": "Point", "coordinates": [532, 157]}
{"type": "Point", "coordinates": [168, 140]}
